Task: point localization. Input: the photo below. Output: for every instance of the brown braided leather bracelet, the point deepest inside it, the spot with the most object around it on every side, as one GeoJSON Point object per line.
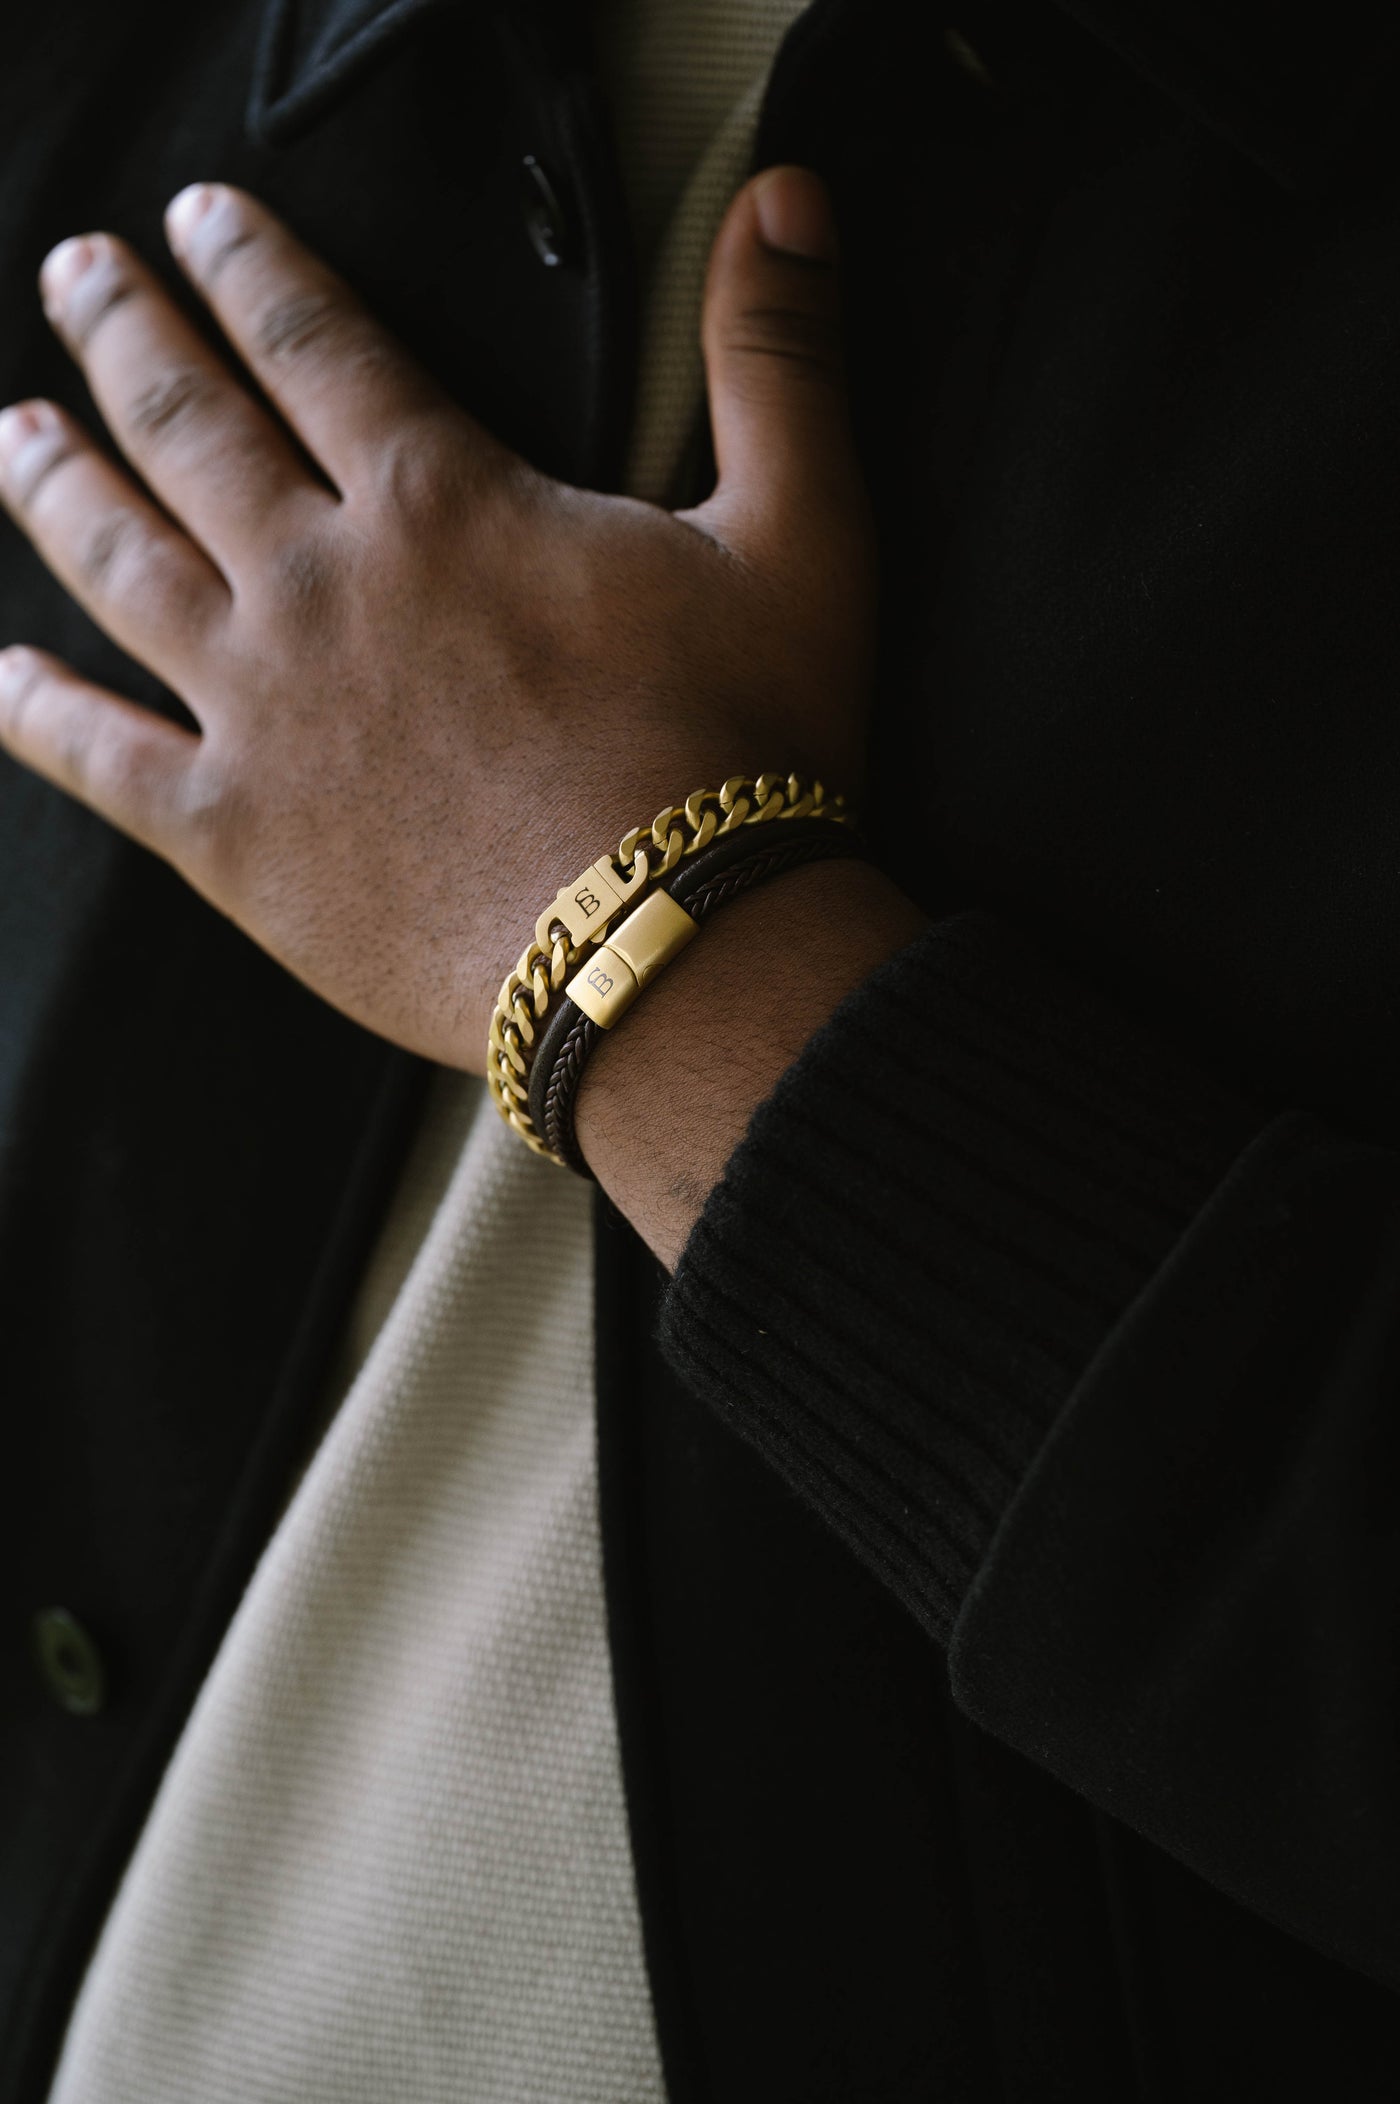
{"type": "Point", "coordinates": [606, 935]}
{"type": "Point", "coordinates": [717, 874]}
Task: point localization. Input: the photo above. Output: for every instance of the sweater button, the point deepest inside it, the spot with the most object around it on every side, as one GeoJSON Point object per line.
{"type": "Point", "coordinates": [69, 1662]}
{"type": "Point", "coordinates": [544, 216]}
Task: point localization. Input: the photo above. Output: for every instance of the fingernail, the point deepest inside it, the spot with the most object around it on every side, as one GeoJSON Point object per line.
{"type": "Point", "coordinates": [794, 214]}
{"type": "Point", "coordinates": [16, 425]}
{"type": "Point", "coordinates": [62, 269]}
{"type": "Point", "coordinates": [16, 664]}
{"type": "Point", "coordinates": [183, 213]}
{"type": "Point", "coordinates": [21, 423]}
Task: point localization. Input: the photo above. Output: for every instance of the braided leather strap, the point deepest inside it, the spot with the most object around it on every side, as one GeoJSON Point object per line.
{"type": "Point", "coordinates": [722, 873]}
{"type": "Point", "coordinates": [644, 856]}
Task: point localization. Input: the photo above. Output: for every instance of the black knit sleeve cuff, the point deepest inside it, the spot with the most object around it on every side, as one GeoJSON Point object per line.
{"type": "Point", "coordinates": [932, 1225]}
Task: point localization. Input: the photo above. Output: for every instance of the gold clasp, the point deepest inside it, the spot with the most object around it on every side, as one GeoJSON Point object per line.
{"type": "Point", "coordinates": [609, 982]}
{"type": "Point", "coordinates": [590, 902]}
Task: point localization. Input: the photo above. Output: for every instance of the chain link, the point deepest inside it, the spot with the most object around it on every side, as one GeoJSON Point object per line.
{"type": "Point", "coordinates": [643, 856]}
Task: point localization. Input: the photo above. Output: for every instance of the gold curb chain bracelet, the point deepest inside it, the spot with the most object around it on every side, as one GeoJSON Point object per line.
{"type": "Point", "coordinates": [583, 912]}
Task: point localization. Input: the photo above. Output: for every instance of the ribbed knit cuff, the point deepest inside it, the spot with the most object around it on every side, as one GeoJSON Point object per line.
{"type": "Point", "coordinates": [929, 1230]}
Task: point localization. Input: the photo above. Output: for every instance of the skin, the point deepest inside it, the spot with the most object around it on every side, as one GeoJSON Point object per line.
{"type": "Point", "coordinates": [431, 684]}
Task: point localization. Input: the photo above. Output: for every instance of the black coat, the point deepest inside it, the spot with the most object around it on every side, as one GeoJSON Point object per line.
{"type": "Point", "coordinates": [1010, 1711]}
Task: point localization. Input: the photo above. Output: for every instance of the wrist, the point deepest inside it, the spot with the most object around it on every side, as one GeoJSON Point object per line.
{"type": "Point", "coordinates": [669, 1092]}
{"type": "Point", "coordinates": [613, 926]}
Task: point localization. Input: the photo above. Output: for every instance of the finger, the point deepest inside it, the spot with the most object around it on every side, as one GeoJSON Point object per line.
{"type": "Point", "coordinates": [139, 577]}
{"type": "Point", "coordinates": [771, 333]}
{"type": "Point", "coordinates": [345, 385]}
{"type": "Point", "coordinates": [130, 766]}
{"type": "Point", "coordinates": [219, 461]}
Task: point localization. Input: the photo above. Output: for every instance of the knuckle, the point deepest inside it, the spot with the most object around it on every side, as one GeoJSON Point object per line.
{"type": "Point", "coordinates": [73, 732]}
{"type": "Point", "coordinates": [105, 294]}
{"type": "Point", "coordinates": [224, 245]}
{"type": "Point", "coordinates": [204, 802]}
{"type": "Point", "coordinates": [107, 551]}
{"type": "Point", "coordinates": [41, 465]}
{"type": "Point", "coordinates": [327, 328]}
{"type": "Point", "coordinates": [373, 360]}
{"type": "Point", "coordinates": [299, 324]}
{"type": "Point", "coordinates": [119, 770]}
{"type": "Point", "coordinates": [119, 560]}
{"type": "Point", "coordinates": [806, 339]}
{"type": "Point", "coordinates": [301, 576]}
{"type": "Point", "coordinates": [175, 398]}
{"type": "Point", "coordinates": [417, 477]}
{"type": "Point", "coordinates": [209, 815]}
{"type": "Point", "coordinates": [26, 677]}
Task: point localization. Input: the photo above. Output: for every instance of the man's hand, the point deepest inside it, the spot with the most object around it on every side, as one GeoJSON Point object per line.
{"type": "Point", "coordinates": [429, 682]}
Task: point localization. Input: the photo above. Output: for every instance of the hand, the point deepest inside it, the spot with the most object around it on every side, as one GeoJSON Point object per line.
{"type": "Point", "coordinates": [430, 684]}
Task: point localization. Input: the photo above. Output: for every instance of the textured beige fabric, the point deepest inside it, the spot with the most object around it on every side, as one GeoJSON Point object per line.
{"type": "Point", "coordinates": [687, 80]}
{"type": "Point", "coordinates": [389, 1860]}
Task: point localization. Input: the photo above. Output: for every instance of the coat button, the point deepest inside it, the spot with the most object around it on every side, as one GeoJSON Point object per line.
{"type": "Point", "coordinates": [544, 217]}
{"type": "Point", "coordinates": [70, 1664]}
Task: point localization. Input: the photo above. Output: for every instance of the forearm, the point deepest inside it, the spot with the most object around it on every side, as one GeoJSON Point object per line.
{"type": "Point", "coordinates": [668, 1094]}
{"type": "Point", "coordinates": [1088, 1356]}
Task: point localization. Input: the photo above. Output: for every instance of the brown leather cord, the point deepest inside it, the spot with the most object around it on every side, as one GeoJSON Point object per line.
{"type": "Point", "coordinates": [716, 875]}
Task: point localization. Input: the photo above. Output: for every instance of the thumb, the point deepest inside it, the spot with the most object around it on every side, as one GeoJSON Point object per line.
{"type": "Point", "coordinates": [771, 333]}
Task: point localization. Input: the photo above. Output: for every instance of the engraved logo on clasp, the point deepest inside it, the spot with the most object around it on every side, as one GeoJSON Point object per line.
{"type": "Point", "coordinates": [588, 901]}
{"type": "Point", "coordinates": [600, 981]}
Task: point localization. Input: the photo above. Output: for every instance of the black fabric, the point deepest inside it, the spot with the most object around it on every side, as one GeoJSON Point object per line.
{"type": "Point", "coordinates": [803, 1854]}
{"type": "Point", "coordinates": [1292, 99]}
{"type": "Point", "coordinates": [1075, 1319]}
{"type": "Point", "coordinates": [894, 1306]}
{"type": "Point", "coordinates": [1122, 322]}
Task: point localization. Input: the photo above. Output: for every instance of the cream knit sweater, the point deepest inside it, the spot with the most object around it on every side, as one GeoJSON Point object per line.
{"type": "Point", "coordinates": [389, 1863]}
